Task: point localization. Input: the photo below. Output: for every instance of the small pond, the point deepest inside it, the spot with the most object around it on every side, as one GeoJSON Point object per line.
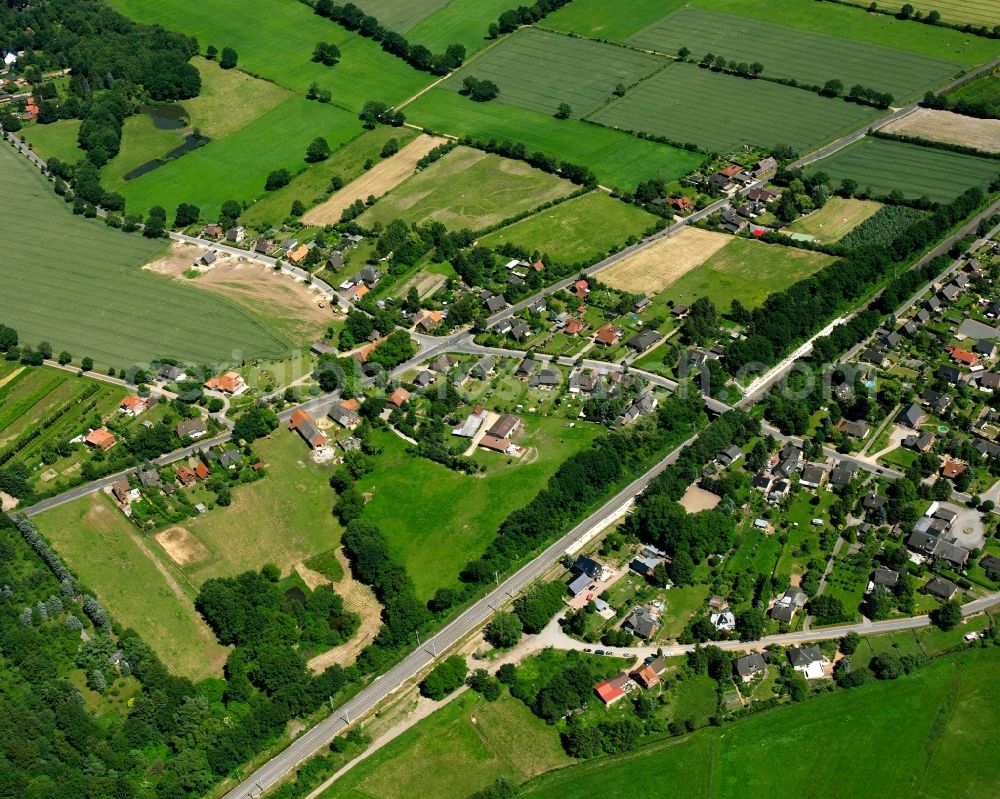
{"type": "Point", "coordinates": [191, 142]}
{"type": "Point", "coordinates": [296, 593]}
{"type": "Point", "coordinates": [166, 116]}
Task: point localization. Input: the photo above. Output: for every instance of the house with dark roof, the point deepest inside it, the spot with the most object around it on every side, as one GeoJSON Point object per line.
{"type": "Point", "coordinates": [988, 381]}
{"type": "Point", "coordinates": [812, 476]}
{"type": "Point", "coordinates": [505, 426]}
{"type": "Point", "coordinates": [941, 588]}
{"type": "Point", "coordinates": [643, 340]}
{"type": "Point", "coordinates": [919, 442]}
{"type": "Point", "coordinates": [302, 423]}
{"type": "Point", "coordinates": [842, 473]}
{"type": "Point", "coordinates": [887, 578]}
{"type": "Point", "coordinates": [807, 660]}
{"type": "Point", "coordinates": [641, 622]}
{"type": "Point", "coordinates": [345, 417]}
{"type": "Point", "coordinates": [749, 666]}
{"type": "Point", "coordinates": [149, 477]}
{"type": "Point", "coordinates": [191, 428]}
{"type": "Point", "coordinates": [858, 430]}
{"type": "Point", "coordinates": [913, 416]}
{"type": "Point", "coordinates": [588, 566]}
{"type": "Point", "coordinates": [495, 303]}
{"type": "Point", "coordinates": [729, 456]}
{"type": "Point", "coordinates": [951, 375]}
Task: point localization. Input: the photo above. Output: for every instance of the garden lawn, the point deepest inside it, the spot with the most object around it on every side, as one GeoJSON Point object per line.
{"type": "Point", "coordinates": [600, 19]}
{"type": "Point", "coordinates": [812, 747]}
{"type": "Point", "coordinates": [577, 230]}
{"type": "Point", "coordinates": [884, 165]}
{"type": "Point", "coordinates": [539, 70]}
{"type": "Point", "coordinates": [809, 58]}
{"type": "Point", "coordinates": [682, 604]}
{"type": "Point", "coordinates": [463, 22]}
{"type": "Point", "coordinates": [55, 140]}
{"type": "Point", "coordinates": [463, 746]}
{"type": "Point", "coordinates": [721, 112]}
{"type": "Point", "coordinates": [468, 189]}
{"type": "Point", "coordinates": [77, 284]}
{"type": "Point", "coordinates": [853, 23]}
{"type": "Point", "coordinates": [310, 187]}
{"type": "Point", "coordinates": [282, 518]}
{"type": "Point", "coordinates": [279, 47]}
{"type": "Point", "coordinates": [118, 565]}
{"type": "Point", "coordinates": [696, 700]}
{"type": "Point", "coordinates": [236, 167]}
{"type": "Point", "coordinates": [835, 219]}
{"type": "Point", "coordinates": [744, 270]}
{"type": "Point", "coordinates": [618, 159]}
{"type": "Point", "coordinates": [438, 519]}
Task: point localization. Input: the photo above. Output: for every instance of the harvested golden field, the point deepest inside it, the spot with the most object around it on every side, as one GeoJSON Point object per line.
{"type": "Point", "coordinates": [946, 126]}
{"type": "Point", "coordinates": [656, 267]}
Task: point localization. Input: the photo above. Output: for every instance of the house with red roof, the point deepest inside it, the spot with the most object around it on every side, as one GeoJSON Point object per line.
{"type": "Point", "coordinates": [613, 690]}
{"type": "Point", "coordinates": [608, 335]}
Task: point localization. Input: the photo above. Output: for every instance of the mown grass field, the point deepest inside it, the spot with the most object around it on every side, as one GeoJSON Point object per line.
{"type": "Point", "coordinates": [922, 736]}
{"type": "Point", "coordinates": [57, 140]}
{"type": "Point", "coordinates": [77, 284]}
{"type": "Point", "coordinates": [618, 159]}
{"type": "Point", "coordinates": [810, 58]}
{"type": "Point", "coordinates": [538, 70]}
{"type": "Point", "coordinates": [310, 186]}
{"type": "Point", "coordinates": [438, 519]}
{"type": "Point", "coordinates": [462, 747]}
{"type": "Point", "coordinates": [117, 564]}
{"type": "Point", "coordinates": [744, 270]}
{"type": "Point", "coordinates": [600, 19]}
{"type": "Point", "coordinates": [853, 23]}
{"type": "Point", "coordinates": [959, 12]}
{"type": "Point", "coordinates": [281, 519]}
{"type": "Point", "coordinates": [400, 16]}
{"type": "Point", "coordinates": [688, 104]}
{"type": "Point", "coordinates": [236, 167]}
{"type": "Point", "coordinates": [279, 47]}
{"type": "Point", "coordinates": [916, 171]}
{"type": "Point", "coordinates": [467, 189]}
{"type": "Point", "coordinates": [578, 229]}
{"type": "Point", "coordinates": [462, 22]}
{"type": "Point", "coordinates": [835, 219]}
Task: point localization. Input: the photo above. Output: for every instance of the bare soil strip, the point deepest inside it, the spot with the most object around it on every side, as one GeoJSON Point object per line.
{"type": "Point", "coordinates": [654, 268]}
{"type": "Point", "coordinates": [181, 547]}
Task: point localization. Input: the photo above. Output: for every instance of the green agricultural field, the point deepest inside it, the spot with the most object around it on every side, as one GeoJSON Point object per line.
{"type": "Point", "coordinates": [578, 229]}
{"type": "Point", "coordinates": [236, 166]}
{"type": "Point", "coordinates": [601, 19]}
{"type": "Point", "coordinates": [22, 393]}
{"type": "Point", "coordinates": [810, 58]}
{"type": "Point", "coordinates": [468, 189]}
{"type": "Point", "coordinates": [281, 519]}
{"type": "Point", "coordinates": [310, 186]}
{"type": "Point", "coordinates": [984, 89]}
{"type": "Point", "coordinates": [459, 514]}
{"type": "Point", "coordinates": [618, 159]}
{"type": "Point", "coordinates": [464, 746]}
{"type": "Point", "coordinates": [883, 165]}
{"type": "Point", "coordinates": [538, 70]}
{"type": "Point", "coordinates": [279, 47]}
{"type": "Point", "coordinates": [721, 112]}
{"type": "Point", "coordinates": [956, 12]}
{"type": "Point", "coordinates": [115, 562]}
{"type": "Point", "coordinates": [744, 270]}
{"type": "Point", "coordinates": [462, 22]}
{"type": "Point", "coordinates": [812, 748]}
{"type": "Point", "coordinates": [57, 140]}
{"type": "Point", "coordinates": [400, 15]}
{"type": "Point", "coordinates": [77, 284]}
{"type": "Point", "coordinates": [835, 219]}
{"type": "Point", "coordinates": [853, 23]}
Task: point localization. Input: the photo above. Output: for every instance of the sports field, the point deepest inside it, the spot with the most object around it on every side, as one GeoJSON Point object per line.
{"type": "Point", "coordinates": [538, 70]}
{"type": "Point", "coordinates": [810, 58]}
{"type": "Point", "coordinates": [845, 22]}
{"type": "Point", "coordinates": [814, 746]}
{"type": "Point", "coordinates": [835, 219]}
{"type": "Point", "coordinates": [470, 743]}
{"type": "Point", "coordinates": [721, 112]}
{"type": "Point", "coordinates": [600, 19]}
{"type": "Point", "coordinates": [468, 189]}
{"type": "Point", "coordinates": [463, 22]}
{"type": "Point", "coordinates": [138, 589]}
{"type": "Point", "coordinates": [438, 519]}
{"type": "Point", "coordinates": [916, 171]}
{"type": "Point", "coordinates": [654, 268]}
{"type": "Point", "coordinates": [957, 12]}
{"type": "Point", "coordinates": [578, 229]}
{"type": "Point", "coordinates": [618, 159]}
{"type": "Point", "coordinates": [56, 140]}
{"type": "Point", "coordinates": [235, 167]}
{"type": "Point", "coordinates": [77, 284]}
{"type": "Point", "coordinates": [744, 270]}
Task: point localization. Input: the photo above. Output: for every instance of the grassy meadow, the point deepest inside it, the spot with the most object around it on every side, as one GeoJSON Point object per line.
{"type": "Point", "coordinates": [118, 565]}
{"type": "Point", "coordinates": [57, 140]}
{"type": "Point", "coordinates": [600, 19]}
{"type": "Point", "coordinates": [722, 112]}
{"type": "Point", "coordinates": [463, 22]}
{"type": "Point", "coordinates": [576, 230]}
{"type": "Point", "coordinates": [811, 58]}
{"type": "Point", "coordinates": [918, 733]}
{"type": "Point", "coordinates": [438, 519]}
{"type": "Point", "coordinates": [400, 16]}
{"type": "Point", "coordinates": [618, 159]}
{"type": "Point", "coordinates": [883, 165]}
{"type": "Point", "coordinates": [468, 189]}
{"type": "Point", "coordinates": [77, 284]}
{"type": "Point", "coordinates": [538, 70]}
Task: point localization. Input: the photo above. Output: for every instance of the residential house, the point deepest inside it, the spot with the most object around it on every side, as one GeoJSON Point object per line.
{"type": "Point", "coordinates": [644, 566]}
{"type": "Point", "coordinates": [608, 335]}
{"type": "Point", "coordinates": [230, 459]}
{"type": "Point", "coordinates": [236, 235]}
{"type": "Point", "coordinates": [495, 303]}
{"type": "Point", "coordinates": [732, 221]}
{"type": "Point", "coordinates": [941, 588]}
{"type": "Point", "coordinates": [761, 482]}
{"type": "Point", "coordinates": [640, 406]}
{"type": "Point", "coordinates": [763, 166]}
{"type": "Point", "coordinates": [424, 378]}
{"type": "Point", "coordinates": [641, 304]}
{"type": "Point", "coordinates": [101, 438]}
{"type": "Point", "coordinates": [212, 231]}
{"type": "Point", "coordinates": [323, 348]}
{"type": "Point", "coordinates": [648, 674]}
{"type": "Point", "coordinates": [185, 476]}
{"type": "Point", "coordinates": [988, 381]}
{"type": "Point", "coordinates": [643, 340]}
{"type": "Point", "coordinates": [858, 430]}
{"type": "Point", "coordinates": [784, 609]}
{"type": "Point", "coordinates": [680, 203]}
{"type": "Point", "coordinates": [171, 373]}
{"type": "Point", "coordinates": [133, 406]}
{"type": "Point", "coordinates": [442, 364]}
{"type": "Point", "coordinates": [987, 448]}
{"type": "Point", "coordinates": [208, 258]}
{"type": "Point", "coordinates": [335, 262]}
{"type": "Point", "coordinates": [546, 380]}
{"type": "Point", "coordinates": [961, 356]}
{"type": "Point", "coordinates": [191, 428]}
{"type": "Point", "coordinates": [842, 473]}
{"type": "Point", "coordinates": [120, 490]}
{"type": "Point", "coordinates": [263, 245]}
{"type": "Point", "coordinates": [430, 320]}
{"type": "Point", "coordinates": [613, 690]}
{"type": "Point", "coordinates": [149, 477]}
{"type": "Point", "coordinates": [913, 416]}
{"type": "Point", "coordinates": [985, 349]}
{"type": "Point", "coordinates": [592, 568]}
{"type": "Point", "coordinates": [762, 195]}
{"type": "Point", "coordinates": [574, 327]}
{"type": "Point", "coordinates": [937, 401]}
{"type": "Point", "coordinates": [525, 369]}
{"type": "Point", "coordinates": [399, 397]}
{"type": "Point", "coordinates": [497, 444]}
{"type": "Point", "coordinates": [919, 442]}
{"type": "Point", "coordinates": [875, 357]}
{"type": "Point", "coordinates": [812, 476]}
{"type": "Point", "coordinates": [305, 426]}
{"type": "Point", "coordinates": [201, 471]}
{"type": "Point", "coordinates": [472, 425]}
{"type": "Point", "coordinates": [580, 289]}
{"type": "Point", "coordinates": [680, 311]}
{"type": "Point", "coordinates": [519, 330]}
{"type": "Point", "coordinates": [808, 660]}
{"type": "Point", "coordinates": [483, 369]}
{"type": "Point", "coordinates": [230, 383]}
{"type": "Point", "coordinates": [578, 584]}
{"type": "Point", "coordinates": [749, 666]}
{"type": "Point", "coordinates": [724, 621]}
{"type": "Point", "coordinates": [729, 456]}
{"type": "Point", "coordinates": [952, 470]}
{"type": "Point", "coordinates": [950, 292]}
{"type": "Point", "coordinates": [950, 375]}
{"type": "Point", "coordinates": [641, 622]}
{"type": "Point", "coordinates": [345, 417]}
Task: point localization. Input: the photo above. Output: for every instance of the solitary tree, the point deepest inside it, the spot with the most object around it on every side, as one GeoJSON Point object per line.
{"type": "Point", "coordinates": [564, 111]}
{"type": "Point", "coordinates": [318, 150]}
{"type": "Point", "coordinates": [211, 52]}
{"type": "Point", "coordinates": [228, 58]}
{"type": "Point", "coordinates": [504, 630]}
{"type": "Point", "coordinates": [948, 616]}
